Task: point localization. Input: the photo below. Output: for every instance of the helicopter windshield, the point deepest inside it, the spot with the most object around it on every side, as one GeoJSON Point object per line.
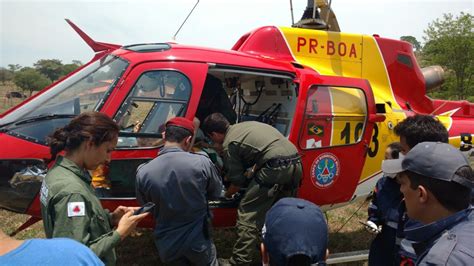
{"type": "Point", "coordinates": [83, 91]}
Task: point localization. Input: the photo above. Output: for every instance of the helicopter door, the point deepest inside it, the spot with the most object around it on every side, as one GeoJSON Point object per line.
{"type": "Point", "coordinates": [151, 94]}
{"type": "Point", "coordinates": [336, 126]}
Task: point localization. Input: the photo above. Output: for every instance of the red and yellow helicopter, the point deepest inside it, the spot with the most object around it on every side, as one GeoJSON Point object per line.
{"type": "Point", "coordinates": [336, 96]}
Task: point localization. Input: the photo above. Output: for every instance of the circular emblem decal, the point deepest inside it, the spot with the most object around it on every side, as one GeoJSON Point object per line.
{"type": "Point", "coordinates": [325, 170]}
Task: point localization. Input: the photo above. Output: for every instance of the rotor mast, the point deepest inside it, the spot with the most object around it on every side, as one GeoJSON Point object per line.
{"type": "Point", "coordinates": [318, 15]}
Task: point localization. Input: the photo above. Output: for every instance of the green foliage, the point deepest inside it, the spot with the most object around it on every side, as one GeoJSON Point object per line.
{"type": "Point", "coordinates": [416, 44]}
{"type": "Point", "coordinates": [29, 79]}
{"type": "Point", "coordinates": [449, 42]}
{"type": "Point", "coordinates": [51, 68]}
{"type": "Point", "coordinates": [14, 67]}
{"type": "Point", "coordinates": [54, 69]}
{"type": "Point", "coordinates": [77, 62]}
{"type": "Point", "coordinates": [68, 68]}
{"type": "Point", "coordinates": [44, 72]}
{"type": "Point", "coordinates": [5, 75]}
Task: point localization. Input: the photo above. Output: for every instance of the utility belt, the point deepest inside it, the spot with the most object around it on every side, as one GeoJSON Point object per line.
{"type": "Point", "coordinates": [283, 161]}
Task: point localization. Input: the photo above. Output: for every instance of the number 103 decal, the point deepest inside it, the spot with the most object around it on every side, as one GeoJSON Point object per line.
{"type": "Point", "coordinates": [374, 143]}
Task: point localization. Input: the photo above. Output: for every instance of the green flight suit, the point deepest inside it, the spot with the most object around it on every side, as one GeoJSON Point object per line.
{"type": "Point", "coordinates": [71, 209]}
{"type": "Point", "coordinates": [245, 145]}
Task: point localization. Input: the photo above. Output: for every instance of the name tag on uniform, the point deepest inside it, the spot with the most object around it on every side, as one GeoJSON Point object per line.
{"type": "Point", "coordinates": [75, 209]}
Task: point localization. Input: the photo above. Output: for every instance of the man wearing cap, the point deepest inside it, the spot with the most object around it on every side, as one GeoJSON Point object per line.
{"type": "Point", "coordinates": [295, 233]}
{"type": "Point", "coordinates": [436, 179]}
{"type": "Point", "coordinates": [276, 173]}
{"type": "Point", "coordinates": [180, 183]}
{"type": "Point", "coordinates": [413, 130]}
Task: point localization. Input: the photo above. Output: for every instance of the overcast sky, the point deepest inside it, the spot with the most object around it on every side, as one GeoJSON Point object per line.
{"type": "Point", "coordinates": [32, 30]}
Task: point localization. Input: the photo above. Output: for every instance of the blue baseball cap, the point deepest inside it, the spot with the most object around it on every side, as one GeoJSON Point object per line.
{"type": "Point", "coordinates": [431, 159]}
{"type": "Point", "coordinates": [295, 227]}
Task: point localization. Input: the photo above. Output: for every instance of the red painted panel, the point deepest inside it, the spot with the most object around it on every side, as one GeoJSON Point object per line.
{"type": "Point", "coordinates": [408, 83]}
{"type": "Point", "coordinates": [15, 148]}
{"type": "Point", "coordinates": [265, 41]}
{"type": "Point", "coordinates": [346, 161]}
{"type": "Point", "coordinates": [461, 125]}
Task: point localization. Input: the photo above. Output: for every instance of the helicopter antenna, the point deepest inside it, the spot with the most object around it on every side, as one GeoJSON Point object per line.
{"type": "Point", "coordinates": [291, 9]}
{"type": "Point", "coordinates": [174, 37]}
{"type": "Point", "coordinates": [329, 12]}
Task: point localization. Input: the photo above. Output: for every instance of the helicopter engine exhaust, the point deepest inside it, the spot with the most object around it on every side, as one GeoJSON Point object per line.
{"type": "Point", "coordinates": [434, 77]}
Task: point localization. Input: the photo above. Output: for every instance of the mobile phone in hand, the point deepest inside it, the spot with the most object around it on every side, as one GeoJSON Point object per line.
{"type": "Point", "coordinates": [371, 227]}
{"type": "Point", "coordinates": [145, 208]}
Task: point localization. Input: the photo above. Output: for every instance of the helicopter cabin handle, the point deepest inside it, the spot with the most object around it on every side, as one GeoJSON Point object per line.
{"type": "Point", "coordinates": [374, 118]}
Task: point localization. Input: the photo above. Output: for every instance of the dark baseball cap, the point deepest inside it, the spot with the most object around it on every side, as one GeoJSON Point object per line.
{"type": "Point", "coordinates": [295, 227]}
{"type": "Point", "coordinates": [431, 159]}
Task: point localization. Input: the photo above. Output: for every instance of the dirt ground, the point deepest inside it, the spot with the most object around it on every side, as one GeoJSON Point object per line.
{"type": "Point", "coordinates": [139, 248]}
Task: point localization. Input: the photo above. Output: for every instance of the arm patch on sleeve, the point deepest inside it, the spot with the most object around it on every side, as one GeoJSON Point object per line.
{"type": "Point", "coordinates": [75, 209]}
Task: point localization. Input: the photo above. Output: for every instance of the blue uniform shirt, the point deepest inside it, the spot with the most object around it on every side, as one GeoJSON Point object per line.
{"type": "Point", "coordinates": [445, 242]}
{"type": "Point", "coordinates": [57, 251]}
{"type": "Point", "coordinates": [179, 183]}
{"type": "Point", "coordinates": [384, 208]}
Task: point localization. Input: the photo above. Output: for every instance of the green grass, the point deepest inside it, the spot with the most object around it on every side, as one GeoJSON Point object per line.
{"type": "Point", "coordinates": [139, 249]}
{"type": "Point", "coordinates": [5, 103]}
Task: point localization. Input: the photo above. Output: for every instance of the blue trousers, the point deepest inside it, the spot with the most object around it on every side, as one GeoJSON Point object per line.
{"type": "Point", "coordinates": [383, 249]}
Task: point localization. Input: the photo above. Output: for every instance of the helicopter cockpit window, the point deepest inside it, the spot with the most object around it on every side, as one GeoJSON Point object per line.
{"type": "Point", "coordinates": [334, 116]}
{"type": "Point", "coordinates": [156, 97]}
{"type": "Point", "coordinates": [81, 92]}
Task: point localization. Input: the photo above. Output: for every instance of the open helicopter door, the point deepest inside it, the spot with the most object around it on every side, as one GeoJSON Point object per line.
{"type": "Point", "coordinates": [334, 136]}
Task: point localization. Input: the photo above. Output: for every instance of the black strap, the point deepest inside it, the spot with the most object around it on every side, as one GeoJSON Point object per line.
{"type": "Point", "coordinates": [283, 161]}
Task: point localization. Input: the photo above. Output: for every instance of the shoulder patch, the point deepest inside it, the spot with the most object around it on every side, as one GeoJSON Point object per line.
{"type": "Point", "coordinates": [44, 193]}
{"type": "Point", "coordinates": [75, 209]}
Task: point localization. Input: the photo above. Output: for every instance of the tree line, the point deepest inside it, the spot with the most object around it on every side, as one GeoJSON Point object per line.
{"type": "Point", "coordinates": [42, 74]}
{"type": "Point", "coordinates": [448, 42]}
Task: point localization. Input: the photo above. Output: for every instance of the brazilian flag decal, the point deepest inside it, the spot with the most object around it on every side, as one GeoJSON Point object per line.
{"type": "Point", "coordinates": [314, 129]}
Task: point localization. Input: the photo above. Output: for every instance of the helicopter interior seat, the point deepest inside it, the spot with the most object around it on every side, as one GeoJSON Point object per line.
{"type": "Point", "coordinates": [275, 108]}
{"type": "Point", "coordinates": [214, 99]}
{"type": "Point", "coordinates": [250, 97]}
{"type": "Point", "coordinates": [272, 115]}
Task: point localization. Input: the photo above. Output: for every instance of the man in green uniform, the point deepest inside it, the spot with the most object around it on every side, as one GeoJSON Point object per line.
{"type": "Point", "coordinates": [276, 168]}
